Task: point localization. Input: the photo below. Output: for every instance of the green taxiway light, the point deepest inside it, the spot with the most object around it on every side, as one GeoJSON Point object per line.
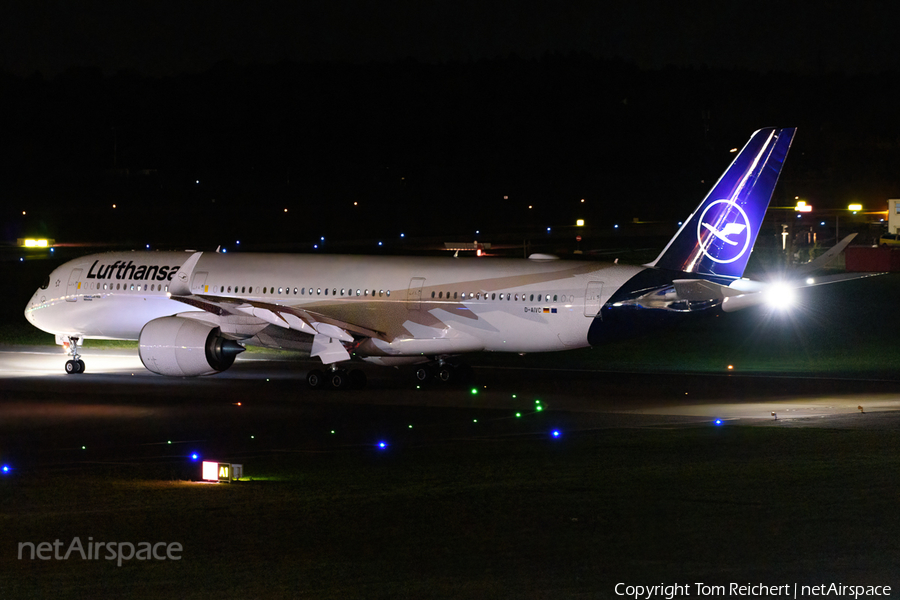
{"type": "Point", "coordinates": [539, 408]}
{"type": "Point", "coordinates": [474, 420]}
{"type": "Point", "coordinates": [474, 391]}
{"type": "Point", "coordinates": [518, 415]}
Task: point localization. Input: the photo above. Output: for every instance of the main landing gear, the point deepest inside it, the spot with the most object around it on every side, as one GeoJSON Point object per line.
{"type": "Point", "coordinates": [336, 379]}
{"type": "Point", "coordinates": [443, 372]}
{"type": "Point", "coordinates": [75, 365]}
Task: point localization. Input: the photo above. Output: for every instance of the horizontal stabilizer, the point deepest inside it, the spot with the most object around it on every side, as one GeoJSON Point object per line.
{"type": "Point", "coordinates": [827, 258]}
{"type": "Point", "coordinates": [700, 289]}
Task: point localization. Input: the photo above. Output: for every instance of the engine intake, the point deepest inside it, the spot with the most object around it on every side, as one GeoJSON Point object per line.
{"type": "Point", "coordinates": [181, 347]}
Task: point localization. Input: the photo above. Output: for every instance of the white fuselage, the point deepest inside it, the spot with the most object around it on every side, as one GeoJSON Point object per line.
{"type": "Point", "coordinates": [506, 305]}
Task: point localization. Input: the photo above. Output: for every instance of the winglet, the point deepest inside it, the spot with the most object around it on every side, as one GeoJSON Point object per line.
{"type": "Point", "coordinates": [718, 237]}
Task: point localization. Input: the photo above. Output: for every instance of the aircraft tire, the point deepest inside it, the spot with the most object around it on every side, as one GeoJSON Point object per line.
{"type": "Point", "coordinates": [423, 373]}
{"type": "Point", "coordinates": [80, 366]}
{"type": "Point", "coordinates": [339, 379]}
{"type": "Point", "coordinates": [71, 367]}
{"type": "Point", "coordinates": [315, 379]}
{"type": "Point", "coordinates": [446, 374]}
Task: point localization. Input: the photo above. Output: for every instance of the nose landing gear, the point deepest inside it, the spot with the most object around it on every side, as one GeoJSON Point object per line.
{"type": "Point", "coordinates": [75, 365]}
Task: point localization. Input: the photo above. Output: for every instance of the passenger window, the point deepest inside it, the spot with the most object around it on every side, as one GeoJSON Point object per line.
{"type": "Point", "coordinates": [381, 292]}
{"type": "Point", "coordinates": [357, 292]}
{"type": "Point", "coordinates": [326, 291]}
{"type": "Point", "coordinates": [554, 297]}
{"type": "Point", "coordinates": [432, 294]}
{"type": "Point", "coordinates": [539, 297]}
{"type": "Point", "coordinates": [334, 292]}
{"type": "Point", "coordinates": [493, 296]}
{"type": "Point", "coordinates": [454, 295]}
{"type": "Point", "coordinates": [229, 289]}
{"type": "Point", "coordinates": [388, 293]}
{"type": "Point", "coordinates": [342, 291]}
{"type": "Point", "coordinates": [532, 298]}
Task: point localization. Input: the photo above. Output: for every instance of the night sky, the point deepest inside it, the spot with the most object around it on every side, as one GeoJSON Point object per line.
{"type": "Point", "coordinates": [204, 121]}
{"type": "Point", "coordinates": [165, 37]}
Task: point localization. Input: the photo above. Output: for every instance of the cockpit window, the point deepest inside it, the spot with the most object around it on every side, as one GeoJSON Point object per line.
{"type": "Point", "coordinates": [46, 283]}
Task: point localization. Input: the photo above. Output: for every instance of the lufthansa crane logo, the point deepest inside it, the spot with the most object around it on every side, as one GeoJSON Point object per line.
{"type": "Point", "coordinates": [727, 231]}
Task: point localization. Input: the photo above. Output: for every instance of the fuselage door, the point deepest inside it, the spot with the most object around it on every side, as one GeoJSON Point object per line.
{"type": "Point", "coordinates": [198, 283]}
{"type": "Point", "coordinates": [592, 298]}
{"type": "Point", "coordinates": [414, 294]}
{"type": "Point", "coordinates": [74, 285]}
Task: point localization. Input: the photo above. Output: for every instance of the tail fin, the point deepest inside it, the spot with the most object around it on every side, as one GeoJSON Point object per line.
{"type": "Point", "coordinates": [718, 237]}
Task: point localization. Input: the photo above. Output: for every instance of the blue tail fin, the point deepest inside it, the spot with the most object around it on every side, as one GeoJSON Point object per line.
{"type": "Point", "coordinates": [718, 237]}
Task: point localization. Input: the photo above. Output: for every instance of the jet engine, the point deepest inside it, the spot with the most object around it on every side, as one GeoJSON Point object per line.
{"type": "Point", "coordinates": [181, 347]}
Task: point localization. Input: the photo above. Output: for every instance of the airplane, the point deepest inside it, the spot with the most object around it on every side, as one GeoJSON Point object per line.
{"type": "Point", "coordinates": [193, 312]}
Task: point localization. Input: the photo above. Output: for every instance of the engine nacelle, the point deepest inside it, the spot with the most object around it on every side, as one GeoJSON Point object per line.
{"type": "Point", "coordinates": [185, 348]}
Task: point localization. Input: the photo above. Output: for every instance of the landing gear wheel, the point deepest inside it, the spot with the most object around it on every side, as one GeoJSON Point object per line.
{"type": "Point", "coordinates": [72, 367]}
{"type": "Point", "coordinates": [315, 379]}
{"type": "Point", "coordinates": [339, 379]}
{"type": "Point", "coordinates": [446, 374]}
{"type": "Point", "coordinates": [80, 365]}
{"type": "Point", "coordinates": [423, 374]}
{"type": "Point", "coordinates": [357, 379]}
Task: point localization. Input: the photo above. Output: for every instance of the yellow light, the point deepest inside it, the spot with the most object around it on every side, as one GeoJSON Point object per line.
{"type": "Point", "coordinates": [579, 223]}
{"type": "Point", "coordinates": [802, 206]}
{"type": "Point", "coordinates": [855, 207]}
{"type": "Point", "coordinates": [114, 205]}
{"type": "Point", "coordinates": [35, 243]}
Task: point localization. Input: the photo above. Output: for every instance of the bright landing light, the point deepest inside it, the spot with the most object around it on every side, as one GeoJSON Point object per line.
{"type": "Point", "coordinates": [780, 296]}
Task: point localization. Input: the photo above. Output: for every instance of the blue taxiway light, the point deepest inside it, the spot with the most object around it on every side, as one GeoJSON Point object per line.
{"type": "Point", "coordinates": [718, 422]}
{"type": "Point", "coordinates": [556, 433]}
{"type": "Point", "coordinates": [5, 469]}
{"type": "Point", "coordinates": [382, 445]}
{"type": "Point", "coordinates": [195, 456]}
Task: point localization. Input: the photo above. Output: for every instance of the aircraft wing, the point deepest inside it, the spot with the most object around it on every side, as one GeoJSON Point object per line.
{"type": "Point", "coordinates": [244, 317]}
{"type": "Point", "coordinates": [329, 333]}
